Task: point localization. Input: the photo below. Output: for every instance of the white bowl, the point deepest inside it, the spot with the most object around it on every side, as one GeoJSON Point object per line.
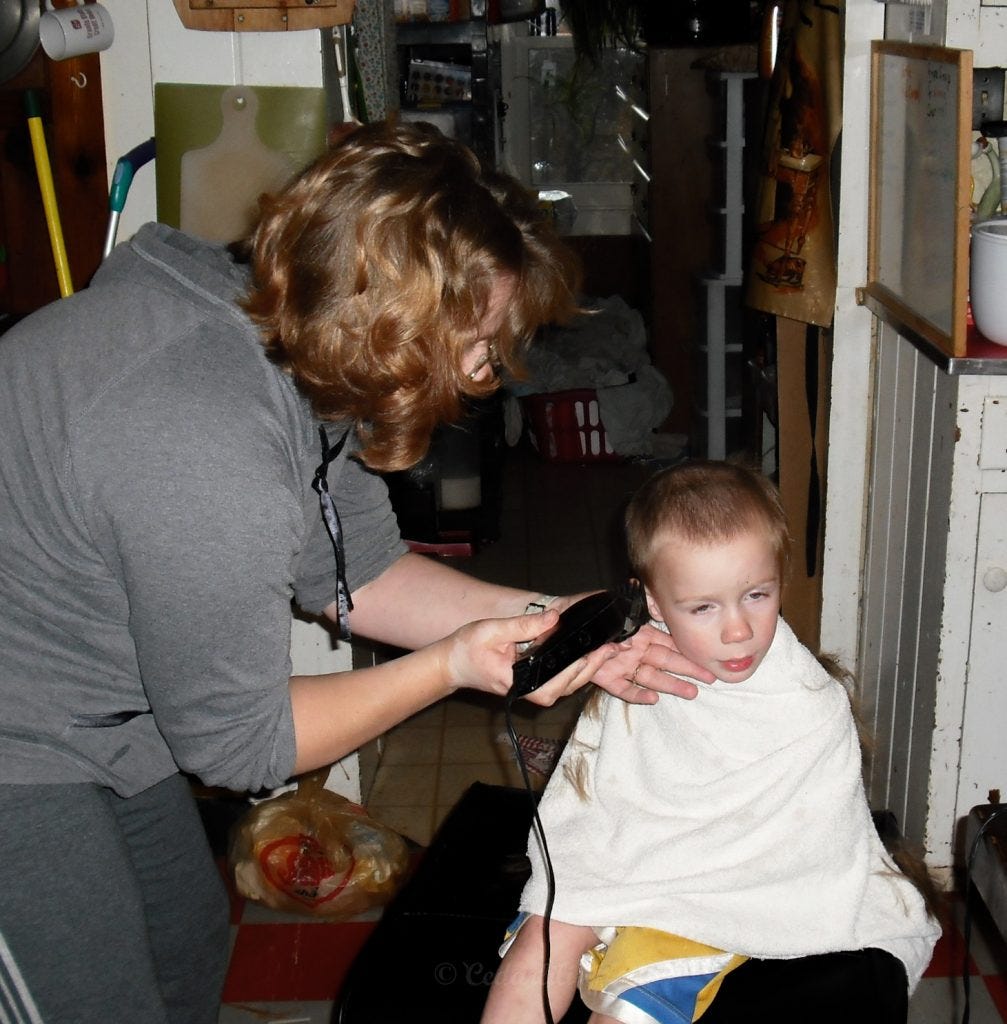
{"type": "Point", "coordinates": [988, 279]}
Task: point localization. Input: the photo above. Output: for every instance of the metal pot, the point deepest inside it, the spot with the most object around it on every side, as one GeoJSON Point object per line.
{"type": "Point", "coordinates": [18, 35]}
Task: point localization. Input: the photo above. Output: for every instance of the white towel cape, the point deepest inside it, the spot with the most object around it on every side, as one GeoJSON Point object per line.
{"type": "Point", "coordinates": [737, 819]}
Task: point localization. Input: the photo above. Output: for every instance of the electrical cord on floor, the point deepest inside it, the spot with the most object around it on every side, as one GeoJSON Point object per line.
{"type": "Point", "coordinates": [967, 924]}
{"type": "Point", "coordinates": [547, 861]}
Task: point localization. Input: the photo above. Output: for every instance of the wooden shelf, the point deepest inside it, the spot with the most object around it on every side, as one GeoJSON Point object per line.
{"type": "Point", "coordinates": [263, 15]}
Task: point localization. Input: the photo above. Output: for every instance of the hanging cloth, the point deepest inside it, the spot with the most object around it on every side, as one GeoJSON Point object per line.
{"type": "Point", "coordinates": [792, 272]}
{"type": "Point", "coordinates": [331, 517]}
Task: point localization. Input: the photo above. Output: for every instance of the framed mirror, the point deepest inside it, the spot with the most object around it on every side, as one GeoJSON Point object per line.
{"type": "Point", "coordinates": [918, 231]}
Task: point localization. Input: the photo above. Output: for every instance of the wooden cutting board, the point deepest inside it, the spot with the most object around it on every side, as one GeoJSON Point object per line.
{"type": "Point", "coordinates": [234, 142]}
{"type": "Point", "coordinates": [221, 183]}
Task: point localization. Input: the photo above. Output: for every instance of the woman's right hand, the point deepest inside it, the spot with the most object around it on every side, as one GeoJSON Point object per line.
{"type": "Point", "coordinates": [481, 656]}
{"type": "Point", "coordinates": [336, 713]}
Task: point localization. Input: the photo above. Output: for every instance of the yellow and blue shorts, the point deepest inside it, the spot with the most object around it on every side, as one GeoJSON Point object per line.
{"type": "Point", "coordinates": [645, 976]}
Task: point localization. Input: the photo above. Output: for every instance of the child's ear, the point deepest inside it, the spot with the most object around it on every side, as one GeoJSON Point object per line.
{"type": "Point", "coordinates": [652, 607]}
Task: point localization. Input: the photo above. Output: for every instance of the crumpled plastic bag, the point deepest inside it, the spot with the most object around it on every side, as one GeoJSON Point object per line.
{"type": "Point", "coordinates": [314, 852]}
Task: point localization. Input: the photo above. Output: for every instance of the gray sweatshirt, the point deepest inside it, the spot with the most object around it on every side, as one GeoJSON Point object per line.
{"type": "Point", "coordinates": [156, 520]}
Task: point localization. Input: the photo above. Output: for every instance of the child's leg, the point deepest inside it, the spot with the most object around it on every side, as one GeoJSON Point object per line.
{"type": "Point", "coordinates": [516, 994]}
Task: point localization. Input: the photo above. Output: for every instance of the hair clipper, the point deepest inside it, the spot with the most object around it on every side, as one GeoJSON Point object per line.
{"type": "Point", "coordinates": [607, 617]}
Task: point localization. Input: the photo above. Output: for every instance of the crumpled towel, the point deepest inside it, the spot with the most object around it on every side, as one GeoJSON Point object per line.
{"type": "Point", "coordinates": [737, 820]}
{"type": "Point", "coordinates": [605, 350]}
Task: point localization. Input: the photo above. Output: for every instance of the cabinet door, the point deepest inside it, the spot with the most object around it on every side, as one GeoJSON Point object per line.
{"type": "Point", "coordinates": [984, 728]}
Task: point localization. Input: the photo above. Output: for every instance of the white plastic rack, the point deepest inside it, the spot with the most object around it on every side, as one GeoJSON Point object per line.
{"type": "Point", "coordinates": [721, 340]}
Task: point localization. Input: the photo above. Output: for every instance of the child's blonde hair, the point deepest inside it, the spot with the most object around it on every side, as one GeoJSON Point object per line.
{"type": "Point", "coordinates": [703, 502]}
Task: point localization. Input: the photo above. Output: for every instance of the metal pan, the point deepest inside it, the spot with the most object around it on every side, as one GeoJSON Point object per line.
{"type": "Point", "coordinates": [18, 35]}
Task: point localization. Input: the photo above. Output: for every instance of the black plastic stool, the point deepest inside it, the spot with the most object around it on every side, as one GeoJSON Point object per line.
{"type": "Point", "coordinates": [435, 948]}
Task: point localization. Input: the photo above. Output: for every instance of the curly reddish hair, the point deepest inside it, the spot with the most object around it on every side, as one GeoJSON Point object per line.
{"type": "Point", "coordinates": [372, 271]}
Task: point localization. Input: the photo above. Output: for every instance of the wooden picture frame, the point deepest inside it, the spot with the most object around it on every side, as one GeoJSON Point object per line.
{"type": "Point", "coordinates": [920, 189]}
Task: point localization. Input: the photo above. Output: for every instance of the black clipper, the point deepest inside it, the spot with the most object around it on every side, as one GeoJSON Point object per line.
{"type": "Point", "coordinates": [607, 617]}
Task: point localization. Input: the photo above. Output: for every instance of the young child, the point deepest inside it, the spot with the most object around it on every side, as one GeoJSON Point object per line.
{"type": "Point", "coordinates": [716, 858]}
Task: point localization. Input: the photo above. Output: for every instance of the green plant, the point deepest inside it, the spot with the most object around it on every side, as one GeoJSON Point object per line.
{"type": "Point", "coordinates": [597, 24]}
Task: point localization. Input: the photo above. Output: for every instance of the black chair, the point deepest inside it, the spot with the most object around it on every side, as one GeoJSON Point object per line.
{"type": "Point", "coordinates": [435, 947]}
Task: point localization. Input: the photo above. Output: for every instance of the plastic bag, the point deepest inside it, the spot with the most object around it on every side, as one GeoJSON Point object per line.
{"type": "Point", "coordinates": [314, 852]}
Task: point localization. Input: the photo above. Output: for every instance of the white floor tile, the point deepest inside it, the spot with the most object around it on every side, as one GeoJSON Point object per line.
{"type": "Point", "coordinates": [940, 1001]}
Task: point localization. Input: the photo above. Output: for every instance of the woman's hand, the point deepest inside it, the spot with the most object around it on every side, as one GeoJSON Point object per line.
{"type": "Point", "coordinates": [338, 712]}
{"type": "Point", "coordinates": [481, 655]}
{"type": "Point", "coordinates": [639, 671]}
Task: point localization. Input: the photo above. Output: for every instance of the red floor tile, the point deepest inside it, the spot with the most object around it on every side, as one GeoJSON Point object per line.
{"type": "Point", "coordinates": [997, 986]}
{"type": "Point", "coordinates": [306, 961]}
{"type": "Point", "coordinates": [947, 958]}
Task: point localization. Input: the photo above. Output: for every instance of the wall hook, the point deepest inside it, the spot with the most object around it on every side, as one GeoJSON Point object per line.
{"type": "Point", "coordinates": [79, 80]}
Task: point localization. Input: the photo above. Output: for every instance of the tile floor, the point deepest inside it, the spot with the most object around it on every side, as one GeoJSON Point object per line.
{"type": "Point", "coordinates": [559, 526]}
{"type": "Point", "coordinates": [288, 970]}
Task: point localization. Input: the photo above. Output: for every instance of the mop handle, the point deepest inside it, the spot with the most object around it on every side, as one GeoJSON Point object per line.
{"type": "Point", "coordinates": [44, 172]}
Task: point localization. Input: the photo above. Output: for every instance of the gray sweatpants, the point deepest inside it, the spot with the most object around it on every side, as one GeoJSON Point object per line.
{"type": "Point", "coordinates": [111, 909]}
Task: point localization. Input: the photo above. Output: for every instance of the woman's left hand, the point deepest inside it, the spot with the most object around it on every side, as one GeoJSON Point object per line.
{"type": "Point", "coordinates": [642, 669]}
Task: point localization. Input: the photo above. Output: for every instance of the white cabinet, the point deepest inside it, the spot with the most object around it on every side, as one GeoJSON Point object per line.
{"type": "Point", "coordinates": [984, 743]}
{"type": "Point", "coordinates": [934, 615]}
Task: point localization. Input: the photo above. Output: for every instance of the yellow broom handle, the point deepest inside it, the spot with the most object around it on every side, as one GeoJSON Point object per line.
{"type": "Point", "coordinates": [44, 172]}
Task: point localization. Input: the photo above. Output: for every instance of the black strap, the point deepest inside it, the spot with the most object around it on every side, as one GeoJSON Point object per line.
{"type": "Point", "coordinates": [331, 517]}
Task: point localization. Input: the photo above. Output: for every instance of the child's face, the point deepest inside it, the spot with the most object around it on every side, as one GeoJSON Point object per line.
{"type": "Point", "coordinates": [719, 602]}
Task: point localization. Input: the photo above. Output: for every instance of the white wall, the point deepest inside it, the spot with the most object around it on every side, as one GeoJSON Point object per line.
{"type": "Point", "coordinates": [978, 28]}
{"type": "Point", "coordinates": [852, 366]}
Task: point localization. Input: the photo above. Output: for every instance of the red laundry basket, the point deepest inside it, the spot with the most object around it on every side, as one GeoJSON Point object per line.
{"type": "Point", "coordinates": [565, 426]}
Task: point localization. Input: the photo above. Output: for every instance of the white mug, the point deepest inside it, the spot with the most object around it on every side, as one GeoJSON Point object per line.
{"type": "Point", "coordinates": [73, 31]}
{"type": "Point", "coordinates": [988, 279]}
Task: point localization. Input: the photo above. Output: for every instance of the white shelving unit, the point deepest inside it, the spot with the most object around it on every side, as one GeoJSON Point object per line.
{"type": "Point", "coordinates": [721, 338]}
